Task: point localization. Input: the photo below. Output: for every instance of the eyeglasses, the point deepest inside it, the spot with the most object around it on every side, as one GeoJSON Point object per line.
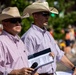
{"type": "Point", "coordinates": [13, 20]}
{"type": "Point", "coordinates": [45, 14]}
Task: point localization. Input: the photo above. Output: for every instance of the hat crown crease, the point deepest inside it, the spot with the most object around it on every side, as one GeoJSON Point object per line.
{"type": "Point", "coordinates": [10, 11]}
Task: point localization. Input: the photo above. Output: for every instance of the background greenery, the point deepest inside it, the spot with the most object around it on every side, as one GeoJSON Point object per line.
{"type": "Point", "coordinates": [66, 16]}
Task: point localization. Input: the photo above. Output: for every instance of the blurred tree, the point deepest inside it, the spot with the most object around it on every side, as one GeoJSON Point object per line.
{"type": "Point", "coordinates": [66, 16]}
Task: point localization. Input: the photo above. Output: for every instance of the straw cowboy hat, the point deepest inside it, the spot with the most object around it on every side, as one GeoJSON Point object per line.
{"type": "Point", "coordinates": [9, 12]}
{"type": "Point", "coordinates": [37, 7]}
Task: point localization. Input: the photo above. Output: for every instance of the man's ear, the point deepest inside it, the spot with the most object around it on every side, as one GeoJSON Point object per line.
{"type": "Point", "coordinates": [3, 23]}
{"type": "Point", "coordinates": [35, 16]}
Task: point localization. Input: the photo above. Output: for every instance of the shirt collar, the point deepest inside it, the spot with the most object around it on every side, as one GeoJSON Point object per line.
{"type": "Point", "coordinates": [39, 29]}
{"type": "Point", "coordinates": [14, 38]}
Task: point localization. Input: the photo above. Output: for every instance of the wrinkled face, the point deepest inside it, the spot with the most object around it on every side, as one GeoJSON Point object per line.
{"type": "Point", "coordinates": [41, 18]}
{"type": "Point", "coordinates": [12, 25]}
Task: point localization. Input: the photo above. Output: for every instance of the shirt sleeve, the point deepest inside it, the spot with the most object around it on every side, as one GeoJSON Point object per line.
{"type": "Point", "coordinates": [60, 53]}
{"type": "Point", "coordinates": [3, 67]}
{"type": "Point", "coordinates": [29, 43]}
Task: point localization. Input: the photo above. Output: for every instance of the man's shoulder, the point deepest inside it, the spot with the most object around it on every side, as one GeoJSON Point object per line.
{"type": "Point", "coordinates": [2, 37]}
{"type": "Point", "coordinates": [29, 33]}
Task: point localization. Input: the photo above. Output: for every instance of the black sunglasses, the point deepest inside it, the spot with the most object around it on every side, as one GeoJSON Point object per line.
{"type": "Point", "coordinates": [45, 14]}
{"type": "Point", "coordinates": [13, 20]}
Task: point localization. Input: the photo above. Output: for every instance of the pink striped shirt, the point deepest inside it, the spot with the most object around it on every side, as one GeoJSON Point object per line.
{"type": "Point", "coordinates": [37, 39]}
{"type": "Point", "coordinates": [13, 54]}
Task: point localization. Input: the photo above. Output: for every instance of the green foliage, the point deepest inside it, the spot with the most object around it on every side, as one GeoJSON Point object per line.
{"type": "Point", "coordinates": [58, 22]}
{"type": "Point", "coordinates": [55, 21]}
{"type": "Point", "coordinates": [26, 23]}
{"type": "Point", "coordinates": [21, 4]}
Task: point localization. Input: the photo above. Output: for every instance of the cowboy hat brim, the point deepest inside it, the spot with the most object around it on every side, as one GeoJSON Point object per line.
{"type": "Point", "coordinates": [38, 7]}
{"type": "Point", "coordinates": [6, 16]}
{"type": "Point", "coordinates": [53, 10]}
{"type": "Point", "coordinates": [9, 12]}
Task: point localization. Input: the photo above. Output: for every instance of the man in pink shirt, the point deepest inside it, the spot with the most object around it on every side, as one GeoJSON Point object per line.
{"type": "Point", "coordinates": [37, 38]}
{"type": "Point", "coordinates": [13, 55]}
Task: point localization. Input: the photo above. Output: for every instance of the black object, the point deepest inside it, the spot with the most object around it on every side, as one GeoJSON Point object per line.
{"type": "Point", "coordinates": [39, 53]}
{"type": "Point", "coordinates": [34, 65]}
{"type": "Point", "coordinates": [73, 68]}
